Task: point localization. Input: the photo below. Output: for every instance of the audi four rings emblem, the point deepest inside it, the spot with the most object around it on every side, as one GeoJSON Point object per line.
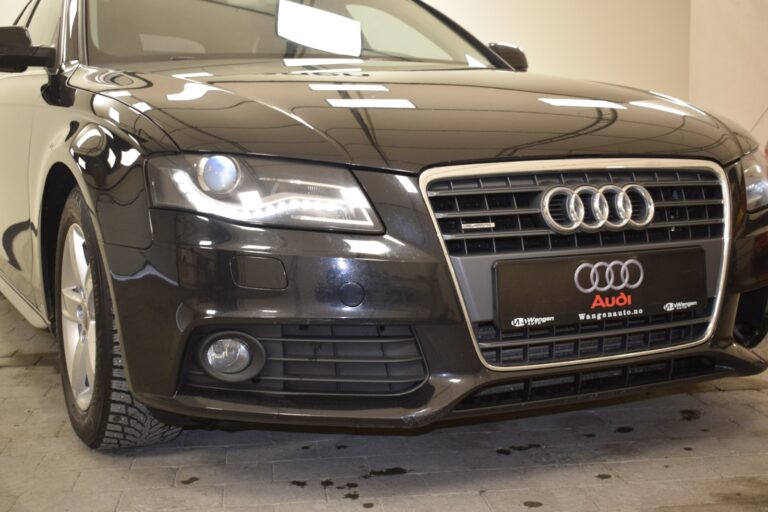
{"type": "Point", "coordinates": [589, 209]}
{"type": "Point", "coordinates": [604, 276]}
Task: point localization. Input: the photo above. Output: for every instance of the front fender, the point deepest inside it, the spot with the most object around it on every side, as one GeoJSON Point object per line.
{"type": "Point", "coordinates": [102, 144]}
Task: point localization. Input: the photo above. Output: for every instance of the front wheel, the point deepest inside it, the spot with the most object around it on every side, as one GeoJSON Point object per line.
{"type": "Point", "coordinates": [101, 409]}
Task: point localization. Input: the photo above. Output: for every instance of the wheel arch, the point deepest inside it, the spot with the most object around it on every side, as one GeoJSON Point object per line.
{"type": "Point", "coordinates": [59, 183]}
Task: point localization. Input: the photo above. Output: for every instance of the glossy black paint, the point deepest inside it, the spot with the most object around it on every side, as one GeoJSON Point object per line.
{"type": "Point", "coordinates": [17, 53]}
{"type": "Point", "coordinates": [513, 55]}
{"type": "Point", "coordinates": [171, 271]}
{"type": "Point", "coordinates": [461, 116]}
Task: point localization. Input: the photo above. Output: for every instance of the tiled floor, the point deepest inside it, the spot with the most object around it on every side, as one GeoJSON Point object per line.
{"type": "Point", "coordinates": [698, 449]}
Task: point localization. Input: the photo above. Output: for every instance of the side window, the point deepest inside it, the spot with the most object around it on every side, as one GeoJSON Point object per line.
{"type": "Point", "coordinates": [44, 25]}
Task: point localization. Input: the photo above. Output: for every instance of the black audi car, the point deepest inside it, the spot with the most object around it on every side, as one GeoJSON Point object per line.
{"type": "Point", "coordinates": [352, 213]}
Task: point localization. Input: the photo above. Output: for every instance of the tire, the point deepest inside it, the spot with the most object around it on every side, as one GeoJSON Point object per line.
{"type": "Point", "coordinates": [103, 413]}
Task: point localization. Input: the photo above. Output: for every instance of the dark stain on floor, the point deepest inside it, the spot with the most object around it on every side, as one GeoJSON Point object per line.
{"type": "Point", "coordinates": [753, 491]}
{"type": "Point", "coordinates": [603, 476]}
{"type": "Point", "coordinates": [327, 483]}
{"type": "Point", "coordinates": [688, 449]}
{"type": "Point", "coordinates": [690, 414]}
{"type": "Point", "coordinates": [525, 448]}
{"type": "Point", "coordinates": [518, 448]}
{"type": "Point", "coordinates": [625, 430]}
{"type": "Point", "coordinates": [341, 447]}
{"type": "Point", "coordinates": [299, 483]}
{"type": "Point", "coordinates": [307, 447]}
{"type": "Point", "coordinates": [533, 504]}
{"type": "Point", "coordinates": [352, 496]}
{"type": "Point", "coordinates": [385, 472]}
{"type": "Point", "coordinates": [190, 480]}
{"type": "Point", "coordinates": [590, 435]}
{"type": "Point", "coordinates": [367, 505]}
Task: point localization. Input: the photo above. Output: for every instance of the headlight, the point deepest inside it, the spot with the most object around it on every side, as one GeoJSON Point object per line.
{"type": "Point", "coordinates": [756, 180]}
{"type": "Point", "coordinates": [263, 192]}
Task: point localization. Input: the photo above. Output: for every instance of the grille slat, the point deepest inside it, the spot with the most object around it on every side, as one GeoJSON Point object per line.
{"type": "Point", "coordinates": [312, 359]}
{"type": "Point", "coordinates": [485, 213]}
{"type": "Point", "coordinates": [591, 334]}
{"type": "Point", "coordinates": [506, 190]}
{"type": "Point", "coordinates": [537, 389]}
{"type": "Point", "coordinates": [324, 360]}
{"type": "Point", "coordinates": [338, 340]}
{"type": "Point", "coordinates": [502, 214]}
{"type": "Point", "coordinates": [591, 339]}
{"type": "Point", "coordinates": [343, 380]}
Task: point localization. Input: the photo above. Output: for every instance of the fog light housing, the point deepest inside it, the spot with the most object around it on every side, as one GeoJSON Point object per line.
{"type": "Point", "coordinates": [231, 356]}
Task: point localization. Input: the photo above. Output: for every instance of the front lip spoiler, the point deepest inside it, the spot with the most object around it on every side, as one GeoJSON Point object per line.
{"type": "Point", "coordinates": [575, 165]}
{"type": "Point", "coordinates": [449, 392]}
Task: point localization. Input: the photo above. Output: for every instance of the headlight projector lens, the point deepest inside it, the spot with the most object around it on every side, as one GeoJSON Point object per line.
{"type": "Point", "coordinates": [232, 356]}
{"type": "Point", "coordinates": [219, 174]}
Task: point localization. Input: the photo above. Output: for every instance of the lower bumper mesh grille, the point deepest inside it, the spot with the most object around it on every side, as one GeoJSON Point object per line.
{"type": "Point", "coordinates": [324, 360]}
{"type": "Point", "coordinates": [584, 383]}
{"type": "Point", "coordinates": [587, 340]}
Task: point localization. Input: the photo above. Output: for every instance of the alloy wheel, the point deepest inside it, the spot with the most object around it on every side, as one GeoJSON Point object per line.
{"type": "Point", "coordinates": [78, 317]}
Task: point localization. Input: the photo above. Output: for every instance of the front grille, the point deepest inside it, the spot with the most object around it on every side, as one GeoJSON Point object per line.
{"type": "Point", "coordinates": [323, 360]}
{"type": "Point", "coordinates": [689, 206]}
{"type": "Point", "coordinates": [491, 213]}
{"type": "Point", "coordinates": [595, 339]}
{"type": "Point", "coordinates": [596, 381]}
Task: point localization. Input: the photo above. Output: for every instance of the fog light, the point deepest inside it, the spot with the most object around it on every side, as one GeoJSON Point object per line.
{"type": "Point", "coordinates": [219, 174]}
{"type": "Point", "coordinates": [228, 355]}
{"type": "Point", "coordinates": [232, 356]}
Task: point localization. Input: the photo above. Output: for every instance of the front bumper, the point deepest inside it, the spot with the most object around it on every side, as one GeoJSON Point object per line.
{"type": "Point", "coordinates": [183, 282]}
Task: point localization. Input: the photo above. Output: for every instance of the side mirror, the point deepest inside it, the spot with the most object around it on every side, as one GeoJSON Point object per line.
{"type": "Point", "coordinates": [17, 53]}
{"type": "Point", "coordinates": [512, 54]}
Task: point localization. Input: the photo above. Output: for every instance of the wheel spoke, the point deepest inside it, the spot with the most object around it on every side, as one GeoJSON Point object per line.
{"type": "Point", "coordinates": [78, 261]}
{"type": "Point", "coordinates": [71, 334]}
{"type": "Point", "coordinates": [88, 284]}
{"type": "Point", "coordinates": [91, 348]}
{"type": "Point", "coordinates": [84, 398]}
{"type": "Point", "coordinates": [71, 300]}
{"type": "Point", "coordinates": [78, 368]}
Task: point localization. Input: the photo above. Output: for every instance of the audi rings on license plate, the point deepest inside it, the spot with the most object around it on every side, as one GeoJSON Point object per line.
{"type": "Point", "coordinates": [566, 290]}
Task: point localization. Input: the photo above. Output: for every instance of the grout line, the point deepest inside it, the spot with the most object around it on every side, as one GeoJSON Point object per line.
{"type": "Point", "coordinates": [485, 499]}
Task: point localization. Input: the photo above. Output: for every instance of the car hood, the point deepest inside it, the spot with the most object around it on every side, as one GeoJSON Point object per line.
{"type": "Point", "coordinates": [407, 119]}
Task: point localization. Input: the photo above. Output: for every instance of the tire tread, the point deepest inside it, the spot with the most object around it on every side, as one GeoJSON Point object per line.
{"type": "Point", "coordinates": [129, 424]}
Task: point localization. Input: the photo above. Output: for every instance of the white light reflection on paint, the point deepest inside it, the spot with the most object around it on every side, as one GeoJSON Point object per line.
{"type": "Point", "coordinates": [319, 29]}
{"type": "Point", "coordinates": [582, 103]}
{"type": "Point", "coordinates": [352, 103]}
{"type": "Point", "coordinates": [348, 87]}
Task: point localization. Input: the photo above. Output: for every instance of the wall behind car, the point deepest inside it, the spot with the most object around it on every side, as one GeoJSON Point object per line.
{"type": "Point", "coordinates": [729, 60]}
{"type": "Point", "coordinates": [9, 9]}
{"type": "Point", "coordinates": [640, 43]}
{"type": "Point", "coordinates": [713, 53]}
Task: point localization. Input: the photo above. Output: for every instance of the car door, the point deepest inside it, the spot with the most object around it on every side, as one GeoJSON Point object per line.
{"type": "Point", "coordinates": [20, 96]}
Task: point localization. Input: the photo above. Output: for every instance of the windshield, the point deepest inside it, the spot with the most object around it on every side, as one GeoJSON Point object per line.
{"type": "Point", "coordinates": [338, 31]}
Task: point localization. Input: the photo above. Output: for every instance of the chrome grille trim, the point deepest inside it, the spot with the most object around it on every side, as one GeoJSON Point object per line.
{"type": "Point", "coordinates": [473, 171]}
{"type": "Point", "coordinates": [491, 215]}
